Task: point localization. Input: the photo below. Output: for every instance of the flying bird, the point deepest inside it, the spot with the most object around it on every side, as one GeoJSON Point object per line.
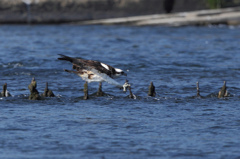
{"type": "Point", "coordinates": [93, 71]}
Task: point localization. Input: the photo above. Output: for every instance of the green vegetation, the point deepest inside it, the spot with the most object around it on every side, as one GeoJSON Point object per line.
{"type": "Point", "coordinates": [213, 4]}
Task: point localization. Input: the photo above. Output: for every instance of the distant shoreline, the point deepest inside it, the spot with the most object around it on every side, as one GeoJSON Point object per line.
{"type": "Point", "coordinates": [227, 16]}
{"type": "Point", "coordinates": [75, 11]}
{"type": "Point", "coordinates": [59, 11]}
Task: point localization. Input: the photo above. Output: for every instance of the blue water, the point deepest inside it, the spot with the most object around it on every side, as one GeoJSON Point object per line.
{"type": "Point", "coordinates": [174, 124]}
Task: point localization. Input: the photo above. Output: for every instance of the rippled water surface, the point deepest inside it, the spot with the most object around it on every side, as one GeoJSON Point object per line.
{"type": "Point", "coordinates": [174, 124]}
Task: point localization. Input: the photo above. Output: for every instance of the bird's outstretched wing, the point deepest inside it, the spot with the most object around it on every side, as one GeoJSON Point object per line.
{"type": "Point", "coordinates": [106, 78]}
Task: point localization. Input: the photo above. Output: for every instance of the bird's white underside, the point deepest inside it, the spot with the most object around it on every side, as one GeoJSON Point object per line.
{"type": "Point", "coordinates": [96, 76]}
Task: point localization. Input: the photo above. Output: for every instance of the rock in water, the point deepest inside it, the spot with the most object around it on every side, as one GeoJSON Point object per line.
{"type": "Point", "coordinates": [100, 92]}
{"type": "Point", "coordinates": [126, 86]}
{"type": "Point", "coordinates": [85, 91]}
{"type": "Point", "coordinates": [151, 90]}
{"type": "Point", "coordinates": [48, 92]}
{"type": "Point", "coordinates": [34, 94]}
{"type": "Point", "coordinates": [198, 90]}
{"type": "Point", "coordinates": [5, 93]}
{"type": "Point", "coordinates": [223, 92]}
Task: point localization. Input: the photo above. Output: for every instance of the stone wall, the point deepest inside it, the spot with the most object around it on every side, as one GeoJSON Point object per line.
{"type": "Point", "coordinates": [60, 11]}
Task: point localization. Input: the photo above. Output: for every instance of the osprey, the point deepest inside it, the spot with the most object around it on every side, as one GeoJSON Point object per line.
{"type": "Point", "coordinates": [93, 71]}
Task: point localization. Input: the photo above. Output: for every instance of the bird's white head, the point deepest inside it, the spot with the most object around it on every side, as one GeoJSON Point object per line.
{"type": "Point", "coordinates": [120, 72]}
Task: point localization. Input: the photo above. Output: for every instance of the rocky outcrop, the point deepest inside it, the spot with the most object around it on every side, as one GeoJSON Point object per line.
{"type": "Point", "coordinates": [60, 11]}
